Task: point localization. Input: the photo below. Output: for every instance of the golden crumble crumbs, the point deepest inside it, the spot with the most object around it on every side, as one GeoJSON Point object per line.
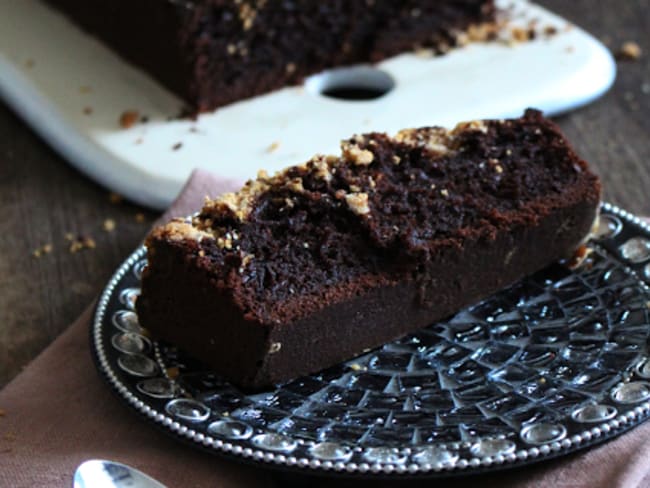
{"type": "Point", "coordinates": [358, 203]}
{"type": "Point", "coordinates": [40, 251]}
{"type": "Point", "coordinates": [80, 243]}
{"type": "Point", "coordinates": [353, 153]}
{"type": "Point", "coordinates": [109, 225]}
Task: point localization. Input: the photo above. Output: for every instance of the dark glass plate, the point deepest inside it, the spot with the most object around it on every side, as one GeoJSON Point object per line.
{"type": "Point", "coordinates": [555, 363]}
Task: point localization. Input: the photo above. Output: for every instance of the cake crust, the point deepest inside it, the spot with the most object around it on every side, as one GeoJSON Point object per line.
{"type": "Point", "coordinates": [315, 264]}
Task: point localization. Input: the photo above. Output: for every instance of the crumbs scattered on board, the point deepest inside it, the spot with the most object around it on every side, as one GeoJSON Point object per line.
{"type": "Point", "coordinates": [42, 250]}
{"type": "Point", "coordinates": [79, 243]}
{"type": "Point", "coordinates": [109, 225]}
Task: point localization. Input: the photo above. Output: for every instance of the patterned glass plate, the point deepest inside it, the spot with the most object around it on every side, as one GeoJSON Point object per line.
{"type": "Point", "coordinates": [555, 363]}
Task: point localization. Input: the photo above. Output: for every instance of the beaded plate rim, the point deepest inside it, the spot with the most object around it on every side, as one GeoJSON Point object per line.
{"type": "Point", "coordinates": [245, 450]}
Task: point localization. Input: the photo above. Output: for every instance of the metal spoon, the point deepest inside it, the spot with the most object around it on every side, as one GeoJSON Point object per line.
{"type": "Point", "coordinates": [98, 473]}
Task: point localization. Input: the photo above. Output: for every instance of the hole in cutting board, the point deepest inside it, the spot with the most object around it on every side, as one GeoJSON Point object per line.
{"type": "Point", "coordinates": [357, 83]}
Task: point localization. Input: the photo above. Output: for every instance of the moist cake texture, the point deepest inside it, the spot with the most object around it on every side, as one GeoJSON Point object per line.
{"type": "Point", "coordinates": [214, 52]}
{"type": "Point", "coordinates": [322, 261]}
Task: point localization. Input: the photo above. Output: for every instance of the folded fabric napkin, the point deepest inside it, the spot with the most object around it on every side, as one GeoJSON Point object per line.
{"type": "Point", "coordinates": [58, 413]}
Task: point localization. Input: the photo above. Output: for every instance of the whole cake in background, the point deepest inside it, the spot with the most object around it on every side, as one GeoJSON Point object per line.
{"type": "Point", "coordinates": [215, 52]}
{"type": "Point", "coordinates": [299, 271]}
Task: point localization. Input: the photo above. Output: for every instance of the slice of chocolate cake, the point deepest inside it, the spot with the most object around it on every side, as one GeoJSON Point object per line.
{"type": "Point", "coordinates": [214, 52]}
{"type": "Point", "coordinates": [314, 265]}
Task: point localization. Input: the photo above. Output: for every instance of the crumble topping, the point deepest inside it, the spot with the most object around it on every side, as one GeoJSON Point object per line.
{"type": "Point", "coordinates": [435, 139]}
{"type": "Point", "coordinates": [438, 140]}
{"type": "Point", "coordinates": [178, 230]}
{"type": "Point", "coordinates": [353, 153]}
{"type": "Point", "coordinates": [320, 166]}
{"type": "Point", "coordinates": [478, 125]}
{"type": "Point", "coordinates": [295, 185]}
{"type": "Point", "coordinates": [358, 203]}
{"type": "Point", "coordinates": [238, 205]}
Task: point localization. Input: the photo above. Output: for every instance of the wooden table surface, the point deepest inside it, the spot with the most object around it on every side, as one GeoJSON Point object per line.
{"type": "Point", "coordinates": [43, 199]}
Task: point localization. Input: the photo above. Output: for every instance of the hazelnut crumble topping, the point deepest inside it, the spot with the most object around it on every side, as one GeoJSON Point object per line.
{"type": "Point", "coordinates": [358, 203]}
{"type": "Point", "coordinates": [356, 155]}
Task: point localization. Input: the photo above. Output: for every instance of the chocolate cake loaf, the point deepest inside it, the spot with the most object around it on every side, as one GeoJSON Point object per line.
{"type": "Point", "coordinates": [214, 52]}
{"type": "Point", "coordinates": [316, 264]}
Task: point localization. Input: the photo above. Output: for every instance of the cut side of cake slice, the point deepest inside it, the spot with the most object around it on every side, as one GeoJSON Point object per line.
{"type": "Point", "coordinates": [299, 271]}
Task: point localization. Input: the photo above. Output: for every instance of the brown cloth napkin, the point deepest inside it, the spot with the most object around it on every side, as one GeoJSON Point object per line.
{"type": "Point", "coordinates": [58, 413]}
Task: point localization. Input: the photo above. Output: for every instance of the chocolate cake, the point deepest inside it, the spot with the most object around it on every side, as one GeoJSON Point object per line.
{"type": "Point", "coordinates": [316, 264]}
{"type": "Point", "coordinates": [214, 52]}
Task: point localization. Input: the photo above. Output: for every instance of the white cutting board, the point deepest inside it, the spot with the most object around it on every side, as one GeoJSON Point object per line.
{"type": "Point", "coordinates": [72, 90]}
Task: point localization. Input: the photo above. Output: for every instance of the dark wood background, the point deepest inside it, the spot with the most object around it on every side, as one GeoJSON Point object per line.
{"type": "Point", "coordinates": [42, 198]}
